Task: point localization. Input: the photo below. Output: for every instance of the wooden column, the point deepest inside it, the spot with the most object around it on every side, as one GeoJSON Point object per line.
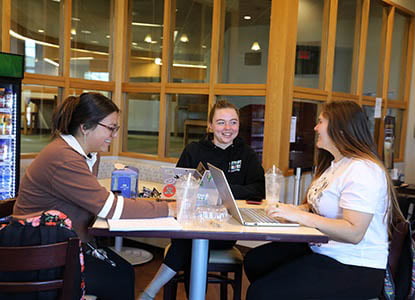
{"type": "Point", "coordinates": [280, 82]}
{"type": "Point", "coordinates": [119, 58]}
{"type": "Point", "coordinates": [216, 48]}
{"type": "Point", "coordinates": [359, 48]}
{"type": "Point", "coordinates": [167, 53]}
{"type": "Point", "coordinates": [65, 44]}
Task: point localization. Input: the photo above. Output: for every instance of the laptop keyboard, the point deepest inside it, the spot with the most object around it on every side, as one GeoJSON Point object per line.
{"type": "Point", "coordinates": [256, 215]}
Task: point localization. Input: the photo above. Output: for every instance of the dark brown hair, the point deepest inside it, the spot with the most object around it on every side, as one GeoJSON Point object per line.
{"type": "Point", "coordinates": [88, 109]}
{"type": "Point", "coordinates": [348, 129]}
{"type": "Point", "coordinates": [221, 104]}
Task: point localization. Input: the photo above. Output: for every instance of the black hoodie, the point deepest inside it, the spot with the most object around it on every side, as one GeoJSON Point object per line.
{"type": "Point", "coordinates": [238, 161]}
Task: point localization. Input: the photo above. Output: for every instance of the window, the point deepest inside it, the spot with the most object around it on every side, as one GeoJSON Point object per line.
{"type": "Point", "coordinates": [309, 35]}
{"type": "Point", "coordinates": [38, 103]}
{"type": "Point", "coordinates": [191, 39]}
{"type": "Point", "coordinates": [35, 36]}
{"type": "Point", "coordinates": [143, 123]}
{"type": "Point", "coordinates": [146, 40]}
{"type": "Point", "coordinates": [398, 57]}
{"type": "Point", "coordinates": [373, 43]}
{"type": "Point", "coordinates": [246, 41]}
{"type": "Point", "coordinates": [344, 49]}
{"type": "Point", "coordinates": [90, 39]}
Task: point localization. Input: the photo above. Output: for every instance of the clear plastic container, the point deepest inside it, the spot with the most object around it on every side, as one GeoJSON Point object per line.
{"type": "Point", "coordinates": [186, 196]}
{"type": "Point", "coordinates": [273, 182]}
{"type": "Point", "coordinates": [212, 215]}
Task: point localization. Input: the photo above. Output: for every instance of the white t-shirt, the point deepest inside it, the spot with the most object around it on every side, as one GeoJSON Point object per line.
{"type": "Point", "coordinates": [358, 185]}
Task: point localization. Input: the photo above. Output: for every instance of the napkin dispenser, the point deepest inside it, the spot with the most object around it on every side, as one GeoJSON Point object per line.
{"type": "Point", "coordinates": [124, 180]}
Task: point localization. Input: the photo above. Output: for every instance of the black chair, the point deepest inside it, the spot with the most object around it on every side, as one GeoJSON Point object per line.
{"type": "Point", "coordinates": [222, 262]}
{"type": "Point", "coordinates": [398, 260]}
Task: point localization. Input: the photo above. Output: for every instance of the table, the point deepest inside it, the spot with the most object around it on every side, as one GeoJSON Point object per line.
{"type": "Point", "coordinates": [201, 234]}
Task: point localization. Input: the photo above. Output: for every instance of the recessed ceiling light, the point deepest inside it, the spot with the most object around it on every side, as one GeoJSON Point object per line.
{"type": "Point", "coordinates": [107, 36]}
{"type": "Point", "coordinates": [94, 42]}
{"type": "Point", "coordinates": [134, 43]}
{"type": "Point", "coordinates": [86, 31]}
{"type": "Point", "coordinates": [148, 39]}
{"type": "Point", "coordinates": [204, 46]}
{"type": "Point", "coordinates": [247, 17]}
{"type": "Point", "coordinates": [40, 30]}
{"type": "Point", "coordinates": [76, 19]}
{"type": "Point", "coordinates": [184, 38]}
{"type": "Point", "coordinates": [73, 31]}
{"type": "Point", "coordinates": [255, 46]}
{"type": "Point", "coordinates": [56, 0]}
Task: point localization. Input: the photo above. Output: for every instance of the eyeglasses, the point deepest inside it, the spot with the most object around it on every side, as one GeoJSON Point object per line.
{"type": "Point", "coordinates": [110, 128]}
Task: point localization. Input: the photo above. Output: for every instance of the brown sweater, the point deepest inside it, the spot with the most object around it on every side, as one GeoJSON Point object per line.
{"type": "Point", "coordinates": [59, 178]}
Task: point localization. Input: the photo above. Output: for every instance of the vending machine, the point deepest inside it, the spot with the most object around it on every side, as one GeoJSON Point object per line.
{"type": "Point", "coordinates": [11, 75]}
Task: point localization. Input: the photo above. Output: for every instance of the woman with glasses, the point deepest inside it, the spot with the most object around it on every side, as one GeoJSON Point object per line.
{"type": "Point", "coordinates": [63, 178]}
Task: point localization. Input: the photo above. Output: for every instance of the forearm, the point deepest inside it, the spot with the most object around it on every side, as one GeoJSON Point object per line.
{"type": "Point", "coordinates": [336, 229]}
{"type": "Point", "coordinates": [350, 228]}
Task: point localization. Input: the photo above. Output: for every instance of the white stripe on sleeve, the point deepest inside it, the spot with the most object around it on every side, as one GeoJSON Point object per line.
{"type": "Point", "coordinates": [107, 206]}
{"type": "Point", "coordinates": [118, 208]}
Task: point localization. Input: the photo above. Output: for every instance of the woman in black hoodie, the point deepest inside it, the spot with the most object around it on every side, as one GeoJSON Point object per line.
{"type": "Point", "coordinates": [224, 149]}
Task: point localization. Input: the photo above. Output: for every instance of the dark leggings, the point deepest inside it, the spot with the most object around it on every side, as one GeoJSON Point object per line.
{"type": "Point", "coordinates": [293, 271]}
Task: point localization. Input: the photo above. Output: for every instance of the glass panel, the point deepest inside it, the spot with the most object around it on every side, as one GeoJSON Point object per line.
{"type": "Point", "coordinates": [38, 103]}
{"type": "Point", "coordinates": [398, 61]}
{"type": "Point", "coordinates": [192, 36]}
{"type": "Point", "coordinates": [343, 55]}
{"type": "Point", "coordinates": [36, 36]}
{"type": "Point", "coordinates": [370, 114]}
{"type": "Point", "coordinates": [309, 35]}
{"type": "Point", "coordinates": [90, 39]}
{"type": "Point", "coordinates": [398, 115]}
{"type": "Point", "coordinates": [373, 48]}
{"type": "Point", "coordinates": [187, 115]}
{"type": "Point", "coordinates": [77, 92]}
{"type": "Point", "coordinates": [246, 41]}
{"type": "Point", "coordinates": [146, 40]}
{"type": "Point", "coordinates": [251, 114]}
{"type": "Point", "coordinates": [304, 114]}
{"type": "Point", "coordinates": [143, 123]}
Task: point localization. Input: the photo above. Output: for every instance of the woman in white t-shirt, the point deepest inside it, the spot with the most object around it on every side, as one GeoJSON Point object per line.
{"type": "Point", "coordinates": [351, 199]}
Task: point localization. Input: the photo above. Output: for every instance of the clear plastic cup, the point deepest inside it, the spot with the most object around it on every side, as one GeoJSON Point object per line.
{"type": "Point", "coordinates": [273, 182]}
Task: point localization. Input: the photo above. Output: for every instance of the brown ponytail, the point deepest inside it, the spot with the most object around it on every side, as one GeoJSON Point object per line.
{"type": "Point", "coordinates": [87, 110]}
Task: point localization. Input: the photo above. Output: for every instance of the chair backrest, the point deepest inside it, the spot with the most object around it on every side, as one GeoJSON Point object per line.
{"type": "Point", "coordinates": [30, 258]}
{"type": "Point", "coordinates": [6, 207]}
{"type": "Point", "coordinates": [399, 234]}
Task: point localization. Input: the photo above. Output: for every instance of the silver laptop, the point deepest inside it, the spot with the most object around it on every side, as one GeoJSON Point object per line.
{"type": "Point", "coordinates": [245, 216]}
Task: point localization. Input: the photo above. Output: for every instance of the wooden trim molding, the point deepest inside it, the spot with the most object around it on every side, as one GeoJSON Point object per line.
{"type": "Point", "coordinates": [5, 25]}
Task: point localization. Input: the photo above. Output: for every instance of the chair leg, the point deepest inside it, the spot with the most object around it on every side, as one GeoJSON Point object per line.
{"type": "Point", "coordinates": [237, 288]}
{"type": "Point", "coordinates": [224, 287]}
